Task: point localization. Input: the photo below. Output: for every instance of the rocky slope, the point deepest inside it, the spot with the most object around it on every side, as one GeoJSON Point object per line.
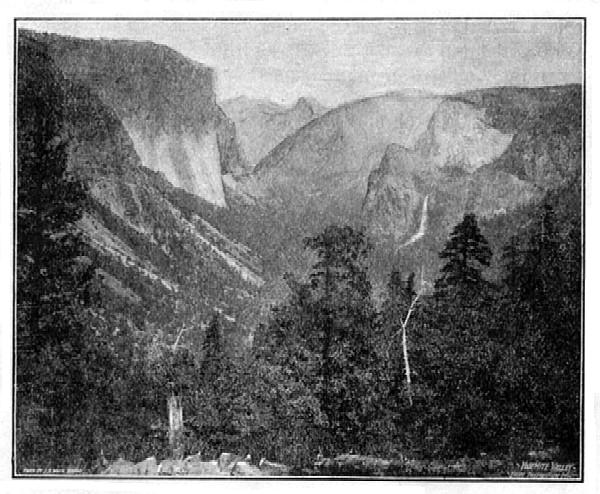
{"type": "Point", "coordinates": [547, 122]}
{"type": "Point", "coordinates": [165, 101]}
{"type": "Point", "coordinates": [395, 192]}
{"type": "Point", "coordinates": [262, 124]}
{"type": "Point", "coordinates": [456, 144]}
{"type": "Point", "coordinates": [159, 265]}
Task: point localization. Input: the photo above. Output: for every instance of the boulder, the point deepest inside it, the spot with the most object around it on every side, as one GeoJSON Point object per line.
{"type": "Point", "coordinates": [121, 467]}
{"type": "Point", "coordinates": [273, 469]}
{"type": "Point", "coordinates": [362, 464]}
{"type": "Point", "coordinates": [202, 468]}
{"type": "Point", "coordinates": [149, 466]}
{"type": "Point", "coordinates": [171, 467]}
{"type": "Point", "coordinates": [196, 457]}
{"type": "Point", "coordinates": [245, 469]}
{"type": "Point", "coordinates": [227, 461]}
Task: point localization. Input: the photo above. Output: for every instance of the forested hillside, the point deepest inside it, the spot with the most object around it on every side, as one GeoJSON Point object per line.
{"type": "Point", "coordinates": [109, 268]}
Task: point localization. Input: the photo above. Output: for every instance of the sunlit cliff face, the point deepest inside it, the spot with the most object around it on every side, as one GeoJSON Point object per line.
{"type": "Point", "coordinates": [167, 104]}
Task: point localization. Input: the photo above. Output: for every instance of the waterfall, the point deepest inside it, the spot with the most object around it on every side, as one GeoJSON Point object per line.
{"type": "Point", "coordinates": [422, 225]}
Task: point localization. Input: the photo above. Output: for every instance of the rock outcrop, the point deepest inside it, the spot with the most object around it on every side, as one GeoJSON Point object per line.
{"type": "Point", "coordinates": [394, 193]}
{"type": "Point", "coordinates": [457, 142]}
{"type": "Point", "coordinates": [458, 137]}
{"type": "Point", "coordinates": [149, 240]}
{"type": "Point", "coordinates": [353, 159]}
{"type": "Point", "coordinates": [165, 101]}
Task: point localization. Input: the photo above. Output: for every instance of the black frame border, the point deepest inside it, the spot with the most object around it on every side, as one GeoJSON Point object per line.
{"type": "Point", "coordinates": [511, 480]}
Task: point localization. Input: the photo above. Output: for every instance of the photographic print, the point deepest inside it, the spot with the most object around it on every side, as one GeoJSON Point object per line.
{"type": "Point", "coordinates": [282, 248]}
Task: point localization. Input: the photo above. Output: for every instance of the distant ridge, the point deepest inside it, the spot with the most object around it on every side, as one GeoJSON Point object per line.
{"type": "Point", "coordinates": [262, 124]}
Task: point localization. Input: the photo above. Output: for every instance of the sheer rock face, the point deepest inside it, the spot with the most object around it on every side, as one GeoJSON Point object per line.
{"type": "Point", "coordinates": [393, 193]}
{"type": "Point", "coordinates": [166, 103]}
{"type": "Point", "coordinates": [455, 144]}
{"type": "Point", "coordinates": [187, 161]}
{"type": "Point", "coordinates": [376, 159]}
{"type": "Point", "coordinates": [146, 236]}
{"type": "Point", "coordinates": [457, 136]}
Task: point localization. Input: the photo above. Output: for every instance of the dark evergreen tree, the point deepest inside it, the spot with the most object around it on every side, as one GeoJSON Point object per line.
{"type": "Point", "coordinates": [455, 355]}
{"type": "Point", "coordinates": [322, 347]}
{"type": "Point", "coordinates": [288, 420]}
{"type": "Point", "coordinates": [346, 328]}
{"type": "Point", "coordinates": [213, 356]}
{"type": "Point", "coordinates": [49, 201]}
{"type": "Point", "coordinates": [467, 252]}
{"type": "Point", "coordinates": [215, 398]}
{"type": "Point", "coordinates": [399, 296]}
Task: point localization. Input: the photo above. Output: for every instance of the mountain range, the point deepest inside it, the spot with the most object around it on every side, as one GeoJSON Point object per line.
{"type": "Point", "coordinates": [262, 124]}
{"type": "Point", "coordinates": [198, 206]}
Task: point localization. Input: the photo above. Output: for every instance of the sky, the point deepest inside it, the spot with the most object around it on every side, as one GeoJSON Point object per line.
{"type": "Point", "coordinates": [336, 62]}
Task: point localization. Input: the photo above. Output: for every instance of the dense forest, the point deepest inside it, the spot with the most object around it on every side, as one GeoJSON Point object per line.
{"type": "Point", "coordinates": [458, 366]}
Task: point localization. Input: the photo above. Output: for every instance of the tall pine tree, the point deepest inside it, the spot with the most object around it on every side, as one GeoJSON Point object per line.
{"type": "Point", "coordinates": [466, 253]}
{"type": "Point", "coordinates": [457, 369]}
{"type": "Point", "coordinates": [346, 329]}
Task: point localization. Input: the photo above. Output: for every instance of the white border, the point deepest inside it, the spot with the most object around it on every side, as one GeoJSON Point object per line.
{"type": "Point", "coordinates": [310, 8]}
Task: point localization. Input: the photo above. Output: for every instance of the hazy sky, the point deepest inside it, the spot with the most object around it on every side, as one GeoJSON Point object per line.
{"type": "Point", "coordinates": [341, 61]}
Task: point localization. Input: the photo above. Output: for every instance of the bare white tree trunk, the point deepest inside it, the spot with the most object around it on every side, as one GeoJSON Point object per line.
{"type": "Point", "coordinates": [175, 411]}
{"type": "Point", "coordinates": [402, 331]}
{"type": "Point", "coordinates": [406, 365]}
{"type": "Point", "coordinates": [405, 346]}
{"type": "Point", "coordinates": [183, 329]}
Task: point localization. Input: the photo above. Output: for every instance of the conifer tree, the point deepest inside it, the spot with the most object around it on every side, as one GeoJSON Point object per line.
{"type": "Point", "coordinates": [212, 351]}
{"type": "Point", "coordinates": [459, 376]}
{"type": "Point", "coordinates": [467, 252]}
{"type": "Point", "coordinates": [346, 330]}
